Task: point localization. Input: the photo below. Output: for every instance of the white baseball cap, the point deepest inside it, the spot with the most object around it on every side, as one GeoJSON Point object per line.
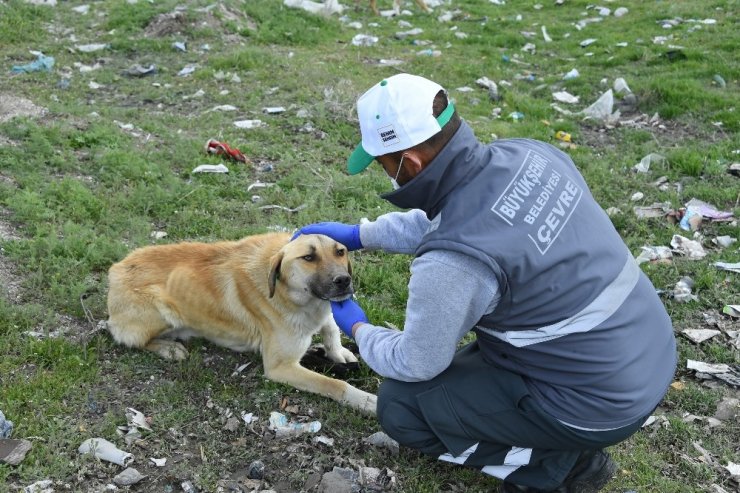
{"type": "Point", "coordinates": [396, 114]}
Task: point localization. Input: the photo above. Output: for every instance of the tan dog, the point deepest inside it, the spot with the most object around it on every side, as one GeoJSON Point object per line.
{"type": "Point", "coordinates": [262, 293]}
{"type": "Point", "coordinates": [397, 6]}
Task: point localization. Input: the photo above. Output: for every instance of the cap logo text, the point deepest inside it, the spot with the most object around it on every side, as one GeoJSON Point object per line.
{"type": "Point", "coordinates": [388, 135]}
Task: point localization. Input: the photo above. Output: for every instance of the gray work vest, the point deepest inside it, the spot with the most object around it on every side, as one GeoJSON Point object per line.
{"type": "Point", "coordinates": [577, 317]}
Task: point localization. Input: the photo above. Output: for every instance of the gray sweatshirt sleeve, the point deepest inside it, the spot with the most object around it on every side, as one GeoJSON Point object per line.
{"type": "Point", "coordinates": [395, 232]}
{"type": "Point", "coordinates": [448, 293]}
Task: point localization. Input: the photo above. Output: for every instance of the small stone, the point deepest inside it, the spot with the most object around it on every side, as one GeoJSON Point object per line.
{"type": "Point", "coordinates": [13, 451]}
{"type": "Point", "coordinates": [256, 470]}
{"type": "Point", "coordinates": [128, 477]}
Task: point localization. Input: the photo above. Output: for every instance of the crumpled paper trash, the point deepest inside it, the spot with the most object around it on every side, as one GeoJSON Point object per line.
{"type": "Point", "coordinates": [690, 248]}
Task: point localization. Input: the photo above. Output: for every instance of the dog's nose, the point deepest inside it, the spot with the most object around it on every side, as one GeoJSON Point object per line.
{"type": "Point", "coordinates": [342, 281]}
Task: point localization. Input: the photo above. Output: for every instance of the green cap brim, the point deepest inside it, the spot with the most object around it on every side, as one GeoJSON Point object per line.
{"type": "Point", "coordinates": [360, 159]}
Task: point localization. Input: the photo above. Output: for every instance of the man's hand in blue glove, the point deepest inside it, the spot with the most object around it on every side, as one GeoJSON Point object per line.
{"type": "Point", "coordinates": [346, 314]}
{"type": "Point", "coordinates": [346, 234]}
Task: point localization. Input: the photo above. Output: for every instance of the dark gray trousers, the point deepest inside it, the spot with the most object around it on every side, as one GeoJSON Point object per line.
{"type": "Point", "coordinates": [479, 415]}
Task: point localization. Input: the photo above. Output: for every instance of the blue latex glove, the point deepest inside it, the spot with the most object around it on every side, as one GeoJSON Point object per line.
{"type": "Point", "coordinates": [346, 314]}
{"type": "Point", "coordinates": [346, 234]}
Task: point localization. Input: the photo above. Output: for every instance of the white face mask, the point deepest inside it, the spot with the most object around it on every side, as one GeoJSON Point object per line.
{"type": "Point", "coordinates": [394, 183]}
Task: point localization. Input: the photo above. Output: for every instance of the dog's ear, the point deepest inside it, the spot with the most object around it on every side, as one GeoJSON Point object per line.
{"type": "Point", "coordinates": [275, 263]}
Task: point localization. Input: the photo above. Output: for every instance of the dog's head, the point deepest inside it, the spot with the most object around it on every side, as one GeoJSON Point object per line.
{"type": "Point", "coordinates": [314, 264]}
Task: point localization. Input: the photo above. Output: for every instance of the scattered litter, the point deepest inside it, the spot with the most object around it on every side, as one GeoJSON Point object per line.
{"type": "Point", "coordinates": [620, 86]}
{"type": "Point", "coordinates": [545, 36]}
{"type": "Point", "coordinates": [329, 442]}
{"type": "Point", "coordinates": [247, 124]}
{"type": "Point", "coordinates": [271, 110]}
{"type": "Point", "coordinates": [572, 74]}
{"type": "Point", "coordinates": [6, 426]}
{"type": "Point", "coordinates": [45, 486]}
{"type": "Point", "coordinates": [644, 165]}
{"type": "Point", "coordinates": [364, 40]}
{"type": "Point", "coordinates": [637, 196]}
{"type": "Point", "coordinates": [411, 32]}
{"type": "Point", "coordinates": [283, 428]}
{"type": "Point", "coordinates": [700, 335]}
{"type": "Point", "coordinates": [429, 52]}
{"type": "Point", "coordinates": [283, 208]}
{"type": "Point", "coordinates": [682, 290]}
{"type": "Point", "coordinates": [223, 108]}
{"type": "Point", "coordinates": [727, 266]}
{"type": "Point", "coordinates": [42, 63]}
{"type": "Point", "coordinates": [734, 169]}
{"type": "Point", "coordinates": [587, 42]}
{"type": "Point", "coordinates": [719, 81]}
{"type": "Point", "coordinates": [690, 248]}
{"type": "Point", "coordinates": [256, 470]}
{"type": "Point", "coordinates": [529, 48]}
{"type": "Point", "coordinates": [487, 83]}
{"type": "Point", "coordinates": [731, 310]}
{"type": "Point", "coordinates": [180, 45]}
{"type": "Point", "coordinates": [602, 108]}
{"type": "Point", "coordinates": [140, 71]}
{"type": "Point", "coordinates": [691, 220]}
{"type": "Point", "coordinates": [13, 451]}
{"type": "Point", "coordinates": [137, 419]}
{"type": "Point", "coordinates": [613, 211]}
{"type": "Point", "coordinates": [621, 11]}
{"type": "Point", "coordinates": [382, 440]}
{"type": "Point", "coordinates": [709, 211]}
{"type": "Point", "coordinates": [374, 479]}
{"type": "Point", "coordinates": [188, 487]}
{"type": "Point", "coordinates": [128, 476]}
{"type": "Point", "coordinates": [159, 462]}
{"type": "Point", "coordinates": [339, 479]}
{"type": "Point", "coordinates": [565, 97]}
{"type": "Point", "coordinates": [210, 168]}
{"type": "Point", "coordinates": [719, 371]}
{"type": "Point", "coordinates": [657, 209]}
{"type": "Point", "coordinates": [727, 409]}
{"type": "Point", "coordinates": [327, 7]}
{"type": "Point", "coordinates": [239, 369]}
{"type": "Point", "coordinates": [259, 184]}
{"type": "Point", "coordinates": [105, 450]}
{"type": "Point", "coordinates": [93, 47]}
{"type": "Point", "coordinates": [248, 418]}
{"type": "Point", "coordinates": [659, 254]}
{"type": "Point", "coordinates": [187, 70]}
{"type": "Point", "coordinates": [232, 424]}
{"type": "Point", "coordinates": [563, 136]}
{"type": "Point", "coordinates": [516, 115]}
{"type": "Point", "coordinates": [219, 148]}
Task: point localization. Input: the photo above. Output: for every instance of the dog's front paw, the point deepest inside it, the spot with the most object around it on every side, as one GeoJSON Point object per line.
{"type": "Point", "coordinates": [171, 350]}
{"type": "Point", "coordinates": [341, 355]}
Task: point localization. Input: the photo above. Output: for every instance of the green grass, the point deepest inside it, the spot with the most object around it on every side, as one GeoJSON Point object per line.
{"type": "Point", "coordinates": [79, 191]}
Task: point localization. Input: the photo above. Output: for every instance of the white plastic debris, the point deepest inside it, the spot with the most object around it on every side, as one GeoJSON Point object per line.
{"type": "Point", "coordinates": [364, 40]}
{"type": "Point", "coordinates": [572, 74]}
{"type": "Point", "coordinates": [247, 124]}
{"type": "Point", "coordinates": [565, 97]}
{"type": "Point", "coordinates": [602, 108]}
{"type": "Point", "coordinates": [259, 184]}
{"type": "Point", "coordinates": [490, 85]}
{"type": "Point", "coordinates": [381, 440]}
{"type": "Point", "coordinates": [637, 196]}
{"type": "Point", "coordinates": [187, 70]}
{"type": "Point", "coordinates": [690, 248]}
{"type": "Point", "coordinates": [657, 209]}
{"type": "Point", "coordinates": [271, 110]}
{"type": "Point", "coordinates": [709, 368]}
{"type": "Point", "coordinates": [326, 7]}
{"type": "Point", "coordinates": [210, 168]}
{"type": "Point", "coordinates": [620, 86]}
{"type": "Point", "coordinates": [727, 266]}
{"type": "Point", "coordinates": [329, 442]}
{"type": "Point", "coordinates": [621, 11]}
{"type": "Point", "coordinates": [587, 42]}
{"type": "Point", "coordinates": [105, 450]}
{"type": "Point", "coordinates": [159, 462]}
{"type": "Point", "coordinates": [6, 426]}
{"type": "Point", "coordinates": [644, 165]}
{"type": "Point", "coordinates": [89, 48]}
{"type": "Point", "coordinates": [545, 36]}
{"type": "Point", "coordinates": [81, 9]}
{"type": "Point", "coordinates": [700, 335]}
{"type": "Point", "coordinates": [724, 241]}
{"type": "Point", "coordinates": [283, 428]}
{"type": "Point", "coordinates": [223, 108]}
{"type": "Point", "coordinates": [682, 290]}
{"type": "Point", "coordinates": [45, 486]}
{"type": "Point", "coordinates": [654, 254]}
{"type": "Point", "coordinates": [137, 419]}
{"type": "Point", "coordinates": [248, 418]}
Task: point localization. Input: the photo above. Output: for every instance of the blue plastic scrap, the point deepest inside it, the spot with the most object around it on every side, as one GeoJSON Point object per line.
{"type": "Point", "coordinates": [42, 64]}
{"type": "Point", "coordinates": [6, 427]}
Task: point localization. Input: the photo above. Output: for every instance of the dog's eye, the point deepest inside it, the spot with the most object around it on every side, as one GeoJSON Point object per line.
{"type": "Point", "coordinates": [340, 252]}
{"type": "Point", "coordinates": [309, 258]}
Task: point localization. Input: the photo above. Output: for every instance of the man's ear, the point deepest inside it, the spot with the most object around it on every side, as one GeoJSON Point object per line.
{"type": "Point", "coordinates": [275, 263]}
{"type": "Point", "coordinates": [414, 160]}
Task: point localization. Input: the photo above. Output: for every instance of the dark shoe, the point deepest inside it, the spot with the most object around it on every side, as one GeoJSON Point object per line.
{"type": "Point", "coordinates": [592, 471]}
